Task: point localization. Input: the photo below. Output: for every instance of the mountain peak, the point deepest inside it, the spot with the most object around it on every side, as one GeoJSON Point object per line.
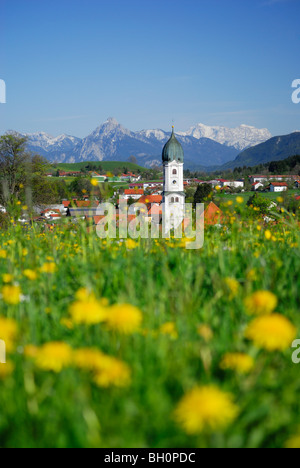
{"type": "Point", "coordinates": [111, 121]}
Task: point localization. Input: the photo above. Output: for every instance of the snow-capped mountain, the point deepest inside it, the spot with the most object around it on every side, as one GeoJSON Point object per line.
{"type": "Point", "coordinates": [203, 145]}
{"type": "Point", "coordinates": [240, 138]}
{"type": "Point", "coordinates": [49, 146]}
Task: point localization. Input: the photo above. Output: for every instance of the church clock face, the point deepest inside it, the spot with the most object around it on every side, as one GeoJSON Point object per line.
{"type": "Point", "coordinates": [174, 182]}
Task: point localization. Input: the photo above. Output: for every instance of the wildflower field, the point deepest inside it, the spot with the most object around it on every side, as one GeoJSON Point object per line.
{"type": "Point", "coordinates": [147, 344]}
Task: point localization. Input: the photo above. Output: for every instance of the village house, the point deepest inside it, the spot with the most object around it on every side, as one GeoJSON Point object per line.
{"type": "Point", "coordinates": [276, 178]}
{"type": "Point", "coordinates": [278, 187]}
{"type": "Point", "coordinates": [256, 186]}
{"type": "Point", "coordinates": [43, 210]}
{"type": "Point", "coordinates": [137, 186]}
{"type": "Point", "coordinates": [51, 214]}
{"type": "Point", "coordinates": [231, 183]}
{"type": "Point", "coordinates": [130, 177]}
{"type": "Point", "coordinates": [81, 213]}
{"type": "Point", "coordinates": [133, 194]}
{"type": "Point", "coordinates": [69, 173]}
{"type": "Point", "coordinates": [100, 178]}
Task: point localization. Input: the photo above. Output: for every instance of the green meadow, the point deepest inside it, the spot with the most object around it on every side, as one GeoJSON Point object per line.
{"type": "Point", "coordinates": [143, 343]}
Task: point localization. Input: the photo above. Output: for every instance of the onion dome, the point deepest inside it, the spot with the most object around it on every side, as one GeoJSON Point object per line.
{"type": "Point", "coordinates": [172, 150]}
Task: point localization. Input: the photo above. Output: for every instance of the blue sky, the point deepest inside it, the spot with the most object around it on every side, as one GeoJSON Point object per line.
{"type": "Point", "coordinates": [70, 64]}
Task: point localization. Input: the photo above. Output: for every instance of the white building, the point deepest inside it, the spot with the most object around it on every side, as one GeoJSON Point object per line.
{"type": "Point", "coordinates": [229, 183]}
{"type": "Point", "coordinates": [173, 190]}
{"type": "Point", "coordinates": [132, 194]}
{"type": "Point", "coordinates": [256, 186]}
{"type": "Point", "coordinates": [276, 178]}
{"type": "Point", "coordinates": [278, 187]}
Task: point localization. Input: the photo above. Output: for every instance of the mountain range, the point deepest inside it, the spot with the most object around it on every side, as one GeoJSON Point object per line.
{"type": "Point", "coordinates": [274, 149]}
{"type": "Point", "coordinates": [203, 145]}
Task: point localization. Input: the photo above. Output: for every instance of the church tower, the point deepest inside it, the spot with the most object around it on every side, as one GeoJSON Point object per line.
{"type": "Point", "coordinates": [173, 191]}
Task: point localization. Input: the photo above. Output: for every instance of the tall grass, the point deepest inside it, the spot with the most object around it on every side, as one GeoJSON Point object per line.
{"type": "Point", "coordinates": [206, 318]}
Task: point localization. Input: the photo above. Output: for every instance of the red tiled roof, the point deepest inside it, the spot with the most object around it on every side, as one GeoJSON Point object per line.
{"type": "Point", "coordinates": [50, 209]}
{"type": "Point", "coordinates": [213, 215]}
{"type": "Point", "coordinates": [150, 199]}
{"type": "Point", "coordinates": [279, 184]}
{"type": "Point", "coordinates": [86, 204]}
{"type": "Point", "coordinates": [133, 192]}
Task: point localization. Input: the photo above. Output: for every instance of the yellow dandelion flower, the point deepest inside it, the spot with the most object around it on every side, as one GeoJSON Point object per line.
{"type": "Point", "coordinates": [205, 332]}
{"type": "Point", "coordinates": [8, 332]}
{"type": "Point", "coordinates": [169, 328]}
{"type": "Point", "coordinates": [131, 244]}
{"type": "Point", "coordinates": [261, 303]}
{"type": "Point", "coordinates": [7, 278]}
{"type": "Point", "coordinates": [124, 318]}
{"type": "Point", "coordinates": [11, 294]}
{"type": "Point", "coordinates": [3, 253]}
{"type": "Point", "coordinates": [94, 182]}
{"type": "Point", "coordinates": [54, 356]}
{"type": "Point", "coordinates": [271, 332]}
{"type": "Point", "coordinates": [87, 310]}
{"type": "Point", "coordinates": [240, 200]}
{"type": "Point", "coordinates": [88, 358]}
{"type": "Point", "coordinates": [233, 285]}
{"type": "Point", "coordinates": [239, 362]}
{"type": "Point", "coordinates": [205, 408]}
{"type": "Point", "coordinates": [111, 371]}
{"type": "Point", "coordinates": [49, 268]}
{"type": "Point", "coordinates": [6, 369]}
{"type": "Point", "coordinates": [252, 275]}
{"type": "Point", "coordinates": [268, 234]}
{"type": "Point", "coordinates": [30, 274]}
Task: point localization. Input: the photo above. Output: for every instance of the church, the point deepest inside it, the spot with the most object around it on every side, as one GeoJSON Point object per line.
{"type": "Point", "coordinates": [173, 190]}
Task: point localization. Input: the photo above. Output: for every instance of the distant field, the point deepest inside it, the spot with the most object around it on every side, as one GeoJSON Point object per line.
{"type": "Point", "coordinates": [105, 165]}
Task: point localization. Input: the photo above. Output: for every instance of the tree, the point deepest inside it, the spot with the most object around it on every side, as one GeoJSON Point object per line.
{"type": "Point", "coordinates": [39, 165]}
{"type": "Point", "coordinates": [202, 192]}
{"type": "Point", "coordinates": [258, 201]}
{"type": "Point", "coordinates": [80, 184]}
{"type": "Point", "coordinates": [132, 159]}
{"type": "Point", "coordinates": [44, 191]}
{"type": "Point", "coordinates": [14, 159]}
